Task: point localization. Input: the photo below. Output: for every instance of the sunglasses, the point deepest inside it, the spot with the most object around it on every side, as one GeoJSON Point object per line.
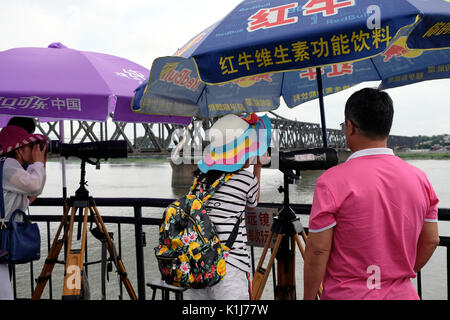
{"type": "Point", "coordinates": [343, 124]}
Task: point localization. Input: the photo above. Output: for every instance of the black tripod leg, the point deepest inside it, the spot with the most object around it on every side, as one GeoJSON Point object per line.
{"type": "Point", "coordinates": [103, 266]}
{"type": "Point", "coordinates": [285, 288]}
{"type": "Point", "coordinates": [113, 253]}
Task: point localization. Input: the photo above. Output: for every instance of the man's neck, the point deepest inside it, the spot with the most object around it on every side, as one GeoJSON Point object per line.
{"type": "Point", "coordinates": [369, 144]}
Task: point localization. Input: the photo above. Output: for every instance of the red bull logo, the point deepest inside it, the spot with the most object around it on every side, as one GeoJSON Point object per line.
{"type": "Point", "coordinates": [249, 81]}
{"type": "Point", "coordinates": [400, 49]}
{"type": "Point", "coordinates": [179, 78]}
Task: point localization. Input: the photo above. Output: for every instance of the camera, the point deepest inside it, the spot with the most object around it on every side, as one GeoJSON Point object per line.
{"type": "Point", "coordinates": [308, 159]}
{"type": "Point", "coordinates": [95, 150]}
{"type": "Point", "coordinates": [302, 159]}
{"type": "Point", "coordinates": [51, 145]}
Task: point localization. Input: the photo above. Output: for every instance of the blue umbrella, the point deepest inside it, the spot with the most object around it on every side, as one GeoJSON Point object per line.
{"type": "Point", "coordinates": [266, 49]}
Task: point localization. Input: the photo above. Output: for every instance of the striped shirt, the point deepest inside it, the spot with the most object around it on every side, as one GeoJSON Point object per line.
{"type": "Point", "coordinates": [226, 206]}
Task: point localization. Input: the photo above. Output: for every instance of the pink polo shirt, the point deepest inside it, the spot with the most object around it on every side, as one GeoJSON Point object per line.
{"type": "Point", "coordinates": [377, 204]}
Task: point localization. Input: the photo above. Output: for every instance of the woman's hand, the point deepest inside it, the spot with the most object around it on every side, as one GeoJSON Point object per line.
{"type": "Point", "coordinates": [262, 160]}
{"type": "Point", "coordinates": [38, 155]}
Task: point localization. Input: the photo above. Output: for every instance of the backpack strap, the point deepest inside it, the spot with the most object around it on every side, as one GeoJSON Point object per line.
{"type": "Point", "coordinates": [235, 231]}
{"type": "Point", "coordinates": [216, 185]}
{"type": "Point", "coordinates": [194, 185]}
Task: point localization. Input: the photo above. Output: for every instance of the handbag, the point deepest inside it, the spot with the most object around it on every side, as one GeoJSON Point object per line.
{"type": "Point", "coordinates": [20, 239]}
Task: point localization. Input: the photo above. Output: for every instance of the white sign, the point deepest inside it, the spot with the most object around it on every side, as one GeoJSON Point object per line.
{"type": "Point", "coordinates": [259, 221]}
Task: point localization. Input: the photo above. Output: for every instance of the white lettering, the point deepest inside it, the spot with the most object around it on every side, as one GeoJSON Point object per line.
{"type": "Point", "coordinates": [190, 310]}
{"type": "Point", "coordinates": [374, 20]}
{"type": "Point", "coordinates": [74, 280]}
{"type": "Point", "coordinates": [374, 281]}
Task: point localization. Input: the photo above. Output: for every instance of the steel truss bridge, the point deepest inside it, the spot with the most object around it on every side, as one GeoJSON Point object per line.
{"type": "Point", "coordinates": [157, 138]}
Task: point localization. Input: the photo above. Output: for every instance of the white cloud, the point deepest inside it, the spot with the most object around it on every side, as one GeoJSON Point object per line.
{"type": "Point", "coordinates": [419, 109]}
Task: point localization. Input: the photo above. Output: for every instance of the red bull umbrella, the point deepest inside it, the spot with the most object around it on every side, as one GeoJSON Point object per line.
{"type": "Point", "coordinates": [266, 49]}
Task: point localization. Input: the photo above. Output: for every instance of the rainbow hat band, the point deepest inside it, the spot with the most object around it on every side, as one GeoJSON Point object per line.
{"type": "Point", "coordinates": [234, 140]}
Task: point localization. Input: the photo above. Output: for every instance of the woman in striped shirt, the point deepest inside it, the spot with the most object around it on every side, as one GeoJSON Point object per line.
{"type": "Point", "coordinates": [227, 205]}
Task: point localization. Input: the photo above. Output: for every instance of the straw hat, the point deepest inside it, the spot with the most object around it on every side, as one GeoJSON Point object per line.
{"type": "Point", "coordinates": [234, 140]}
{"type": "Point", "coordinates": [13, 137]}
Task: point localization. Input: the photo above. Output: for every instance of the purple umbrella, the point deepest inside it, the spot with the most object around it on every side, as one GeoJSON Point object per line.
{"type": "Point", "coordinates": [4, 120]}
{"type": "Point", "coordinates": [62, 83]}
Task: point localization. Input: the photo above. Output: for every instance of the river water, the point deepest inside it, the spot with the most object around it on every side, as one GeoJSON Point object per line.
{"type": "Point", "coordinates": [151, 178]}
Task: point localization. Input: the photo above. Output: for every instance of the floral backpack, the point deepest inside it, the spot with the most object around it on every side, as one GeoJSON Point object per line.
{"type": "Point", "coordinates": [190, 254]}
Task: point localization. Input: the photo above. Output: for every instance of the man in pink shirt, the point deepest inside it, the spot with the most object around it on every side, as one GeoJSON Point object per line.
{"type": "Point", "coordinates": [373, 221]}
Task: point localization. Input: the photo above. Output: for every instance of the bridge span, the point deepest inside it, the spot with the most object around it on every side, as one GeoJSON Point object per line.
{"type": "Point", "coordinates": [159, 139]}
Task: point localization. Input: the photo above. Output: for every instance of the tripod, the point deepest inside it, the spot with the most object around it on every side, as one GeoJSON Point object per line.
{"type": "Point", "coordinates": [74, 265]}
{"type": "Point", "coordinates": [286, 228]}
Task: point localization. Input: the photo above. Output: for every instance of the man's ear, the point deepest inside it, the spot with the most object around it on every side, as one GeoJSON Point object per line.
{"type": "Point", "coordinates": [351, 128]}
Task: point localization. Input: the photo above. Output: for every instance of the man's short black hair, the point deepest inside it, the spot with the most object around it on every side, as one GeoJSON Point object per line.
{"type": "Point", "coordinates": [371, 111]}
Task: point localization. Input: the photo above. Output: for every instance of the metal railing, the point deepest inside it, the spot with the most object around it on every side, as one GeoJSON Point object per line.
{"type": "Point", "coordinates": [139, 221]}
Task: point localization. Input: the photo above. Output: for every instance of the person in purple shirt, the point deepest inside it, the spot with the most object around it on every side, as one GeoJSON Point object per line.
{"type": "Point", "coordinates": [373, 222]}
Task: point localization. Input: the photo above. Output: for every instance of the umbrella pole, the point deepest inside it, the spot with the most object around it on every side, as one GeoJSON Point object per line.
{"type": "Point", "coordinates": [322, 109]}
{"type": "Point", "coordinates": [63, 163]}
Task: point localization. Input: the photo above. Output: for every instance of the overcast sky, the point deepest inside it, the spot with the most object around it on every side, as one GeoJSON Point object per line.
{"type": "Point", "coordinates": [142, 30]}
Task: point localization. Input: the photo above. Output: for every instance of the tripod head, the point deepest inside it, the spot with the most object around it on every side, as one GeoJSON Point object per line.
{"type": "Point", "coordinates": [82, 193]}
{"type": "Point", "coordinates": [287, 222]}
{"type": "Point", "coordinates": [87, 152]}
{"type": "Point", "coordinates": [82, 198]}
{"type": "Point", "coordinates": [291, 163]}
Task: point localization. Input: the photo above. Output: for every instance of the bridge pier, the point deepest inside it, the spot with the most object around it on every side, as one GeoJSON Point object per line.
{"type": "Point", "coordinates": [182, 174]}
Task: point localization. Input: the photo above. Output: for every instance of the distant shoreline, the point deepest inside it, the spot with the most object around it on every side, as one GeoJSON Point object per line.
{"type": "Point", "coordinates": [165, 158]}
{"type": "Point", "coordinates": [423, 155]}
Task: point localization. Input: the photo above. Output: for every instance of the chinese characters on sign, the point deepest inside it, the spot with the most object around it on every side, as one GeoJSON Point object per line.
{"type": "Point", "coordinates": [313, 94]}
{"type": "Point", "coordinates": [267, 18]}
{"type": "Point", "coordinates": [249, 102]}
{"type": "Point", "coordinates": [337, 70]}
{"type": "Point", "coordinates": [418, 76]}
{"type": "Point", "coordinates": [271, 17]}
{"type": "Point", "coordinates": [36, 103]}
{"type": "Point", "coordinates": [259, 221]}
{"type": "Point", "coordinates": [326, 7]}
{"type": "Point", "coordinates": [240, 107]}
{"type": "Point", "coordinates": [235, 107]}
{"type": "Point", "coordinates": [440, 28]}
{"type": "Point", "coordinates": [299, 51]}
{"type": "Point", "coordinates": [292, 53]}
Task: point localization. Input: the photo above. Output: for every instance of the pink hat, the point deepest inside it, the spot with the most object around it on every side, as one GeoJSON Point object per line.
{"type": "Point", "coordinates": [14, 137]}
